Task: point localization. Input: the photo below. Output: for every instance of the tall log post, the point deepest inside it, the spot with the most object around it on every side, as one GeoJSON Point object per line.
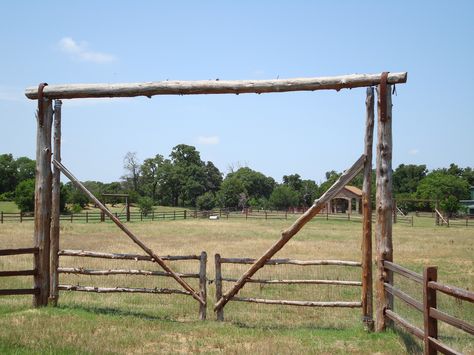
{"type": "Point", "coordinates": [430, 324]}
{"type": "Point", "coordinates": [202, 285]}
{"type": "Point", "coordinates": [367, 290]}
{"type": "Point", "coordinates": [55, 210]}
{"type": "Point", "coordinates": [217, 259]}
{"type": "Point", "coordinates": [383, 228]}
{"type": "Point", "coordinates": [42, 226]}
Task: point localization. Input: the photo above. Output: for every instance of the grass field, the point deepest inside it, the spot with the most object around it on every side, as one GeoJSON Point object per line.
{"type": "Point", "coordinates": [139, 323]}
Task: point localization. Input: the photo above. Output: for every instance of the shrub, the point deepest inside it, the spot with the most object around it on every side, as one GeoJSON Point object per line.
{"type": "Point", "coordinates": [25, 195]}
{"type": "Point", "coordinates": [145, 204]}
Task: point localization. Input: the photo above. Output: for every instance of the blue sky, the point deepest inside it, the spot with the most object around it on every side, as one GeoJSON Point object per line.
{"type": "Point", "coordinates": [277, 134]}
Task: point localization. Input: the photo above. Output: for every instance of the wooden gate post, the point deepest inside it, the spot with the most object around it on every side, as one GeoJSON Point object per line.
{"type": "Point", "coordinates": [383, 228]}
{"type": "Point", "coordinates": [429, 301]}
{"type": "Point", "coordinates": [367, 290]}
{"type": "Point", "coordinates": [220, 311]}
{"type": "Point", "coordinates": [42, 226]}
{"type": "Point", "coordinates": [202, 285]}
{"type": "Point", "coordinates": [55, 209]}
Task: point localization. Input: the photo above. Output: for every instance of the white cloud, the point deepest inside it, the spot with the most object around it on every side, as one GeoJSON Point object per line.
{"type": "Point", "coordinates": [211, 140]}
{"type": "Point", "coordinates": [413, 151]}
{"type": "Point", "coordinates": [82, 52]}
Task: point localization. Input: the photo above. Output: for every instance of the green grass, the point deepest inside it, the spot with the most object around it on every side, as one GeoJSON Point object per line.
{"type": "Point", "coordinates": [9, 207]}
{"type": "Point", "coordinates": [126, 323]}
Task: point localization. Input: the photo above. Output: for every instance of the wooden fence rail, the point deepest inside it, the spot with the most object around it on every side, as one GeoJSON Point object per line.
{"type": "Point", "coordinates": [219, 279]}
{"type": "Point", "coordinates": [431, 315]}
{"type": "Point", "coordinates": [9, 273]}
{"type": "Point", "coordinates": [201, 275]}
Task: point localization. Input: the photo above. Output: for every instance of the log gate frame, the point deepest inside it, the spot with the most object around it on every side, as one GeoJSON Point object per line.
{"type": "Point", "coordinates": [46, 227]}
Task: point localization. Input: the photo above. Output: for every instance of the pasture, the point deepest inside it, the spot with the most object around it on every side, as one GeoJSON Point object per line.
{"type": "Point", "coordinates": [146, 323]}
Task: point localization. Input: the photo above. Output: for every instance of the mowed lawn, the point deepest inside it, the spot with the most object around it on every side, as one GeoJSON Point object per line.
{"type": "Point", "coordinates": [143, 323]}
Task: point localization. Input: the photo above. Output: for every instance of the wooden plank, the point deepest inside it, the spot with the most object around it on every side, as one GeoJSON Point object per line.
{"type": "Point", "coordinates": [383, 204]}
{"type": "Point", "coordinates": [318, 205]}
{"type": "Point", "coordinates": [291, 262]}
{"type": "Point", "coordinates": [299, 303]}
{"type": "Point", "coordinates": [93, 272]}
{"type": "Point", "coordinates": [403, 271]}
{"type": "Point", "coordinates": [442, 348]}
{"type": "Point", "coordinates": [55, 209]}
{"type": "Point", "coordinates": [454, 291]}
{"type": "Point", "coordinates": [405, 324]}
{"type": "Point", "coordinates": [455, 322]}
{"type": "Point", "coordinates": [71, 91]}
{"type": "Point", "coordinates": [429, 301]}
{"type": "Point", "coordinates": [42, 224]}
{"type": "Point", "coordinates": [129, 233]}
{"type": "Point", "coordinates": [135, 257]}
{"type": "Point", "coordinates": [157, 290]}
{"type": "Point", "coordinates": [19, 251]}
{"type": "Point", "coordinates": [404, 297]}
{"type": "Point", "coordinates": [18, 273]}
{"type": "Point", "coordinates": [218, 281]}
{"type": "Point", "coordinates": [366, 247]}
{"type": "Point", "coordinates": [19, 291]}
{"type": "Point", "coordinates": [300, 282]}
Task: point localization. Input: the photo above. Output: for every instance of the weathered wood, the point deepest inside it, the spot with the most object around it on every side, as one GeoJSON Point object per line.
{"type": "Point", "coordinates": [405, 324]}
{"type": "Point", "coordinates": [403, 271]}
{"type": "Point", "coordinates": [383, 227]}
{"type": "Point", "coordinates": [71, 91]}
{"type": "Point", "coordinates": [93, 272]}
{"type": "Point", "coordinates": [55, 209]}
{"type": "Point", "coordinates": [299, 282]}
{"type": "Point", "coordinates": [291, 262]}
{"type": "Point", "coordinates": [318, 205]}
{"type": "Point", "coordinates": [442, 348]}
{"type": "Point", "coordinates": [404, 297]}
{"type": "Point", "coordinates": [80, 288]}
{"type": "Point", "coordinates": [19, 291]}
{"type": "Point", "coordinates": [41, 234]}
{"type": "Point", "coordinates": [137, 241]}
{"type": "Point", "coordinates": [218, 282]}
{"type": "Point", "coordinates": [455, 322]}
{"type": "Point", "coordinates": [19, 251]}
{"type": "Point", "coordinates": [202, 285]}
{"type": "Point", "coordinates": [135, 257]}
{"type": "Point", "coordinates": [18, 273]}
{"type": "Point", "coordinates": [298, 303]}
{"type": "Point", "coordinates": [454, 291]}
{"type": "Point", "coordinates": [429, 301]}
{"type": "Point", "coordinates": [366, 247]}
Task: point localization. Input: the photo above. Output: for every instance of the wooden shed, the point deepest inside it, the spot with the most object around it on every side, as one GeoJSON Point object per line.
{"type": "Point", "coordinates": [343, 201]}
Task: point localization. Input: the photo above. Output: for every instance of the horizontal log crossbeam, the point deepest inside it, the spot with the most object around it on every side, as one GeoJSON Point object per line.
{"type": "Point", "coordinates": [453, 291]}
{"type": "Point", "coordinates": [19, 291]}
{"type": "Point", "coordinates": [92, 272]}
{"type": "Point", "coordinates": [74, 91]}
{"type": "Point", "coordinates": [291, 262]}
{"type": "Point", "coordinates": [80, 288]}
{"type": "Point", "coordinates": [299, 282]}
{"type": "Point", "coordinates": [18, 273]}
{"type": "Point", "coordinates": [135, 257]}
{"type": "Point", "coordinates": [299, 303]}
{"type": "Point", "coordinates": [403, 271]}
{"type": "Point", "coordinates": [19, 251]}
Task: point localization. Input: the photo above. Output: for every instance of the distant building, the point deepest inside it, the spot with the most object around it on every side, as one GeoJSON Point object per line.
{"type": "Point", "coordinates": [342, 203]}
{"type": "Point", "coordinates": [469, 203]}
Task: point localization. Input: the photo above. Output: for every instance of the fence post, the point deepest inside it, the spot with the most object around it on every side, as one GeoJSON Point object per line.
{"type": "Point", "coordinates": [174, 214]}
{"type": "Point", "coordinates": [1, 218]}
{"type": "Point", "coordinates": [286, 214]}
{"type": "Point", "coordinates": [265, 215]}
{"type": "Point", "coordinates": [152, 215]}
{"type": "Point", "coordinates": [141, 216]}
{"type": "Point", "coordinates": [412, 221]}
{"type": "Point", "coordinates": [87, 217]}
{"type": "Point", "coordinates": [220, 213]}
{"type": "Point", "coordinates": [467, 220]}
{"type": "Point", "coordinates": [429, 301]}
{"type": "Point", "coordinates": [184, 214]}
{"type": "Point", "coordinates": [102, 216]}
{"type": "Point", "coordinates": [72, 215]}
{"type": "Point", "coordinates": [218, 281]}
{"type": "Point", "coordinates": [21, 216]}
{"type": "Point", "coordinates": [202, 285]}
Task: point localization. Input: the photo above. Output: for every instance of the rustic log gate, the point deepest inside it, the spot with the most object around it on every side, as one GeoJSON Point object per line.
{"type": "Point", "coordinates": [33, 272]}
{"type": "Point", "coordinates": [46, 232]}
{"type": "Point", "coordinates": [201, 275]}
{"type": "Point", "coordinates": [219, 279]}
{"type": "Point", "coordinates": [431, 315]}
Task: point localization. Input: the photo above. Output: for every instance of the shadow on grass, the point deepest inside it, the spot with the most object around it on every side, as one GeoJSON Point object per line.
{"type": "Point", "coordinates": [115, 312]}
{"type": "Point", "coordinates": [411, 344]}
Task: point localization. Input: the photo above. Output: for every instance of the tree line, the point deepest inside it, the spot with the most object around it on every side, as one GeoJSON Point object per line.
{"type": "Point", "coordinates": [183, 179]}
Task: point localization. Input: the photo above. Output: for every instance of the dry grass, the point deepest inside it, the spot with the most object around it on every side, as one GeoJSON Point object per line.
{"type": "Point", "coordinates": [119, 323]}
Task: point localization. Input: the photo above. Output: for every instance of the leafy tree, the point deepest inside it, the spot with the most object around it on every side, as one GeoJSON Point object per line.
{"type": "Point", "coordinates": [206, 201]}
{"type": "Point", "coordinates": [406, 178]}
{"type": "Point", "coordinates": [152, 175]}
{"type": "Point", "coordinates": [25, 195]}
{"type": "Point", "coordinates": [331, 178]}
{"type": "Point", "coordinates": [294, 181]}
{"type": "Point", "coordinates": [256, 184]}
{"type": "Point", "coordinates": [131, 165]}
{"type": "Point", "coordinates": [439, 185]}
{"type": "Point", "coordinates": [8, 173]}
{"type": "Point", "coordinates": [231, 188]}
{"type": "Point", "coordinates": [75, 196]}
{"type": "Point", "coordinates": [213, 177]}
{"type": "Point", "coordinates": [145, 204]}
{"type": "Point", "coordinates": [283, 197]}
{"type": "Point", "coordinates": [308, 192]}
{"type": "Point", "coordinates": [25, 169]}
